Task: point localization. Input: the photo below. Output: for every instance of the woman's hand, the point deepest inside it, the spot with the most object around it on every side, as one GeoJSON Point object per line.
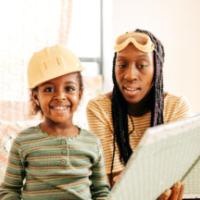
{"type": "Point", "coordinates": [114, 178]}
{"type": "Point", "coordinates": [175, 193]}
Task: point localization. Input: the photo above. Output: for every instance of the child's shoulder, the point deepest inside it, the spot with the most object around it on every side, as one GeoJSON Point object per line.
{"type": "Point", "coordinates": [91, 141]}
{"type": "Point", "coordinates": [90, 136]}
{"type": "Point", "coordinates": [30, 129]}
{"type": "Point", "coordinates": [29, 134]}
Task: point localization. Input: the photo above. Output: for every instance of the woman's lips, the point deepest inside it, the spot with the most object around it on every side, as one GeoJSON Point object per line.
{"type": "Point", "coordinates": [131, 90]}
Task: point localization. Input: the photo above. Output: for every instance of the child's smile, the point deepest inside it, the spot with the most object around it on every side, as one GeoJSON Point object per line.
{"type": "Point", "coordinates": [60, 110]}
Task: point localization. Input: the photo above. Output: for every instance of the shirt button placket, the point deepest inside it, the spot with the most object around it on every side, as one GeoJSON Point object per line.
{"type": "Point", "coordinates": [64, 162]}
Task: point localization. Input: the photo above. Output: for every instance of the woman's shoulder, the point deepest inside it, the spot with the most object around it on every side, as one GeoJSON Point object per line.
{"type": "Point", "coordinates": [102, 97]}
{"type": "Point", "coordinates": [99, 110]}
{"type": "Point", "coordinates": [101, 101]}
{"type": "Point", "coordinates": [175, 107]}
{"type": "Point", "coordinates": [171, 99]}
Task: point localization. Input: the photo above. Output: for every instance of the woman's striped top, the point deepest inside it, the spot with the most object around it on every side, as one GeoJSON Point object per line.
{"type": "Point", "coordinates": [100, 123]}
{"type": "Point", "coordinates": [43, 167]}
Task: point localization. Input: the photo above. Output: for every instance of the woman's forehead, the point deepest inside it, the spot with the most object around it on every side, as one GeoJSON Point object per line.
{"type": "Point", "coordinates": [133, 53]}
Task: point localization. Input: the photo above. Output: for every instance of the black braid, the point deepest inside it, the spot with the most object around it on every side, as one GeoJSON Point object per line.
{"type": "Point", "coordinates": [120, 119]}
{"type": "Point", "coordinates": [158, 96]}
{"type": "Point", "coordinates": [119, 104]}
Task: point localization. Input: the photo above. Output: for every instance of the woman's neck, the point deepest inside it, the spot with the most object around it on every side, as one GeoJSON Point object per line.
{"type": "Point", "coordinates": [142, 107]}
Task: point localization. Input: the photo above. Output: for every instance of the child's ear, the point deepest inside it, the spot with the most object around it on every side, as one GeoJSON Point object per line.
{"type": "Point", "coordinates": [81, 93]}
{"type": "Point", "coordinates": [35, 98]}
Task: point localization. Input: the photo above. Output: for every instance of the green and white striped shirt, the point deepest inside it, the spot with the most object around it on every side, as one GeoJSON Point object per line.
{"type": "Point", "coordinates": [44, 167]}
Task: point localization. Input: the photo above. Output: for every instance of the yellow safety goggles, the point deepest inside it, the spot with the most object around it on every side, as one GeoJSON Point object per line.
{"type": "Point", "coordinates": [140, 40]}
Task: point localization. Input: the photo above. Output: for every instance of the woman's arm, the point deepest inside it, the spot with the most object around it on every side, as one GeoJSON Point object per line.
{"type": "Point", "coordinates": [99, 120]}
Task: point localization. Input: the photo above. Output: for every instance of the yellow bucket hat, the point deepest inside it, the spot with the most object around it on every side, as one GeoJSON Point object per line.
{"type": "Point", "coordinates": [51, 62]}
{"type": "Point", "coordinates": [140, 40]}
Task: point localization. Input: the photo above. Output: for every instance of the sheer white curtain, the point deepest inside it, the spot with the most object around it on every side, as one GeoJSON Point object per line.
{"type": "Point", "coordinates": [29, 25]}
{"type": "Point", "coordinates": [26, 26]}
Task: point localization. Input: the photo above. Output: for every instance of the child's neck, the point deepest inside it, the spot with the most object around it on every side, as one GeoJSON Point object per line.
{"type": "Point", "coordinates": [59, 129]}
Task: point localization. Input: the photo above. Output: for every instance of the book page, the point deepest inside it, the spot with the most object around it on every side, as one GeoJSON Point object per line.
{"type": "Point", "coordinates": [163, 157]}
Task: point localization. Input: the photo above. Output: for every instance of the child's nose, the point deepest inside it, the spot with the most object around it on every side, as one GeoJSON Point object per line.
{"type": "Point", "coordinates": [60, 95]}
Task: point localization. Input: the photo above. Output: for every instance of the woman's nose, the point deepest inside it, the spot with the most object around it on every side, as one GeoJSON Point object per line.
{"type": "Point", "coordinates": [131, 73]}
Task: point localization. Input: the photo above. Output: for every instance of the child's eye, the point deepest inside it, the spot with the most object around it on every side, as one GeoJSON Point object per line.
{"type": "Point", "coordinates": [49, 89]}
{"type": "Point", "coordinates": [70, 89]}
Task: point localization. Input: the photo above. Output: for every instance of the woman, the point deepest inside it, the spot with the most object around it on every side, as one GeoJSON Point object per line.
{"type": "Point", "coordinates": [136, 103]}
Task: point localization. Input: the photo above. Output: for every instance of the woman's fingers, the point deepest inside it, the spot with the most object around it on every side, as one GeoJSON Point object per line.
{"type": "Point", "coordinates": [116, 178]}
{"type": "Point", "coordinates": [181, 192]}
{"type": "Point", "coordinates": [166, 195]}
{"type": "Point", "coordinates": [177, 192]}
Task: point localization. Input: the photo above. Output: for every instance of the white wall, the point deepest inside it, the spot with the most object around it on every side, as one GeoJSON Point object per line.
{"type": "Point", "coordinates": [177, 24]}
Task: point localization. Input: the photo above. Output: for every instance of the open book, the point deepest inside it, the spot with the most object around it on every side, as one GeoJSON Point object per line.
{"type": "Point", "coordinates": [166, 154]}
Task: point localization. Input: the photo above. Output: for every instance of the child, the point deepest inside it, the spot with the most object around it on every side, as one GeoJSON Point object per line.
{"type": "Point", "coordinates": [56, 159]}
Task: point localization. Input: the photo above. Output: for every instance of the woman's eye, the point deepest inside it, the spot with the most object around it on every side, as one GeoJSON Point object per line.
{"type": "Point", "coordinates": [142, 65]}
{"type": "Point", "coordinates": [121, 65]}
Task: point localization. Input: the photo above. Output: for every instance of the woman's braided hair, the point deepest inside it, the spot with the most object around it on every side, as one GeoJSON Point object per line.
{"type": "Point", "coordinates": [119, 104]}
